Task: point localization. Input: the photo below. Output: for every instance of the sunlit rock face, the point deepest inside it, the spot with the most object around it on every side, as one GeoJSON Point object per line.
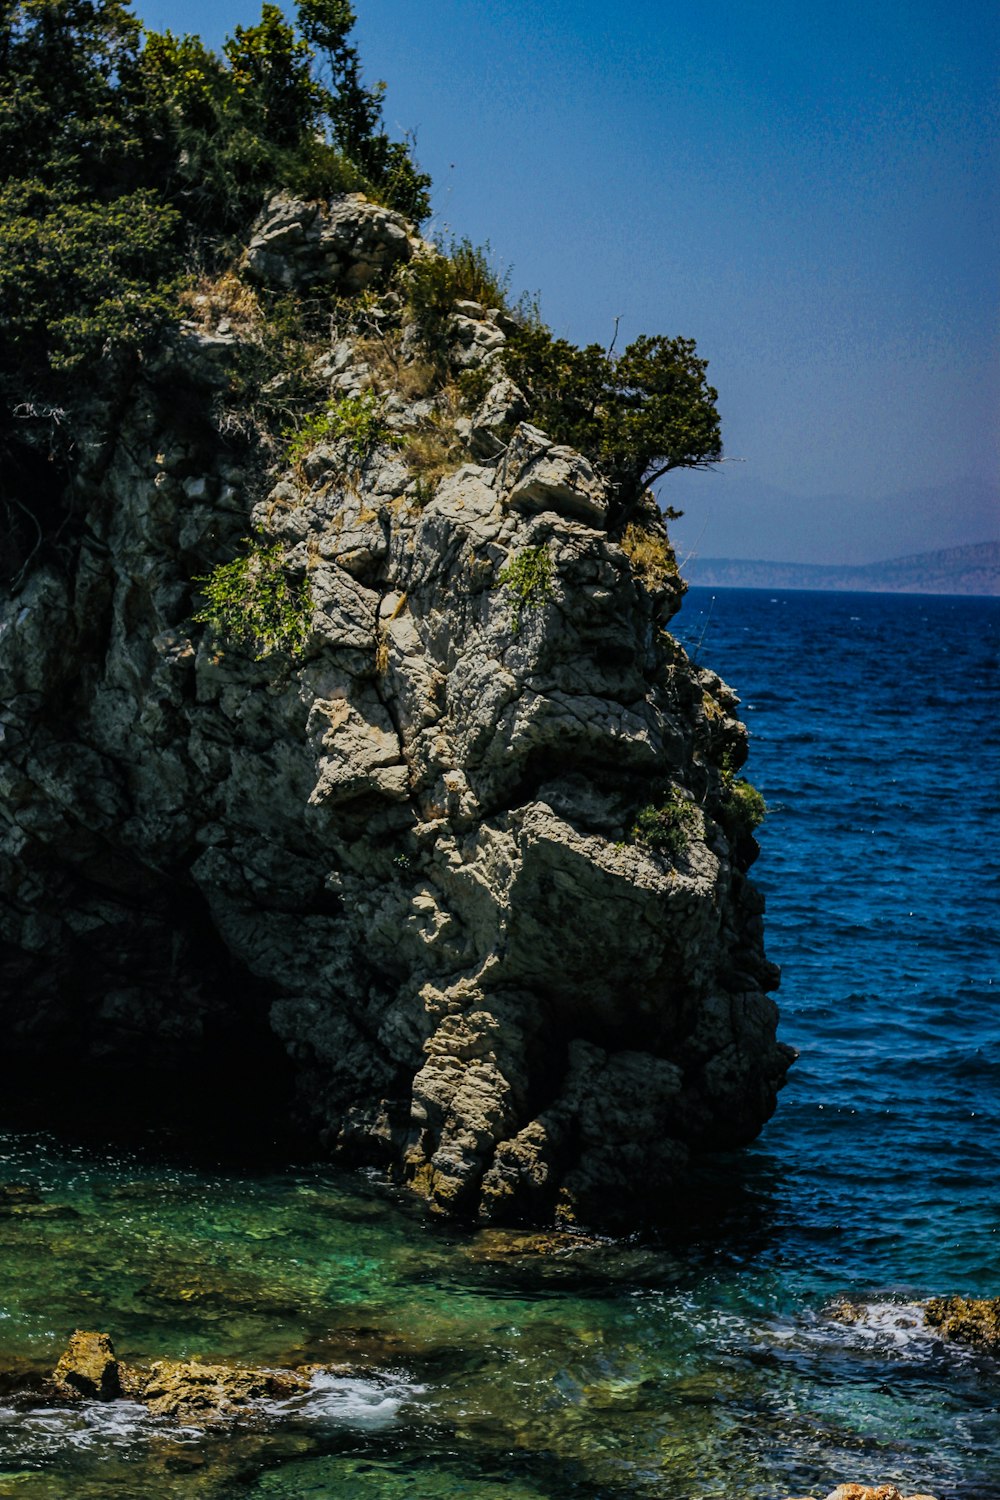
{"type": "Point", "coordinates": [405, 855]}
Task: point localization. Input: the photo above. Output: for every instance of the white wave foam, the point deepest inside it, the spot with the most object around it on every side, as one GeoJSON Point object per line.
{"type": "Point", "coordinates": [898, 1328]}
{"type": "Point", "coordinates": [42, 1430]}
{"type": "Point", "coordinates": [347, 1400]}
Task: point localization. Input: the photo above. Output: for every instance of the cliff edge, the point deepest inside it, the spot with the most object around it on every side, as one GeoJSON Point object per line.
{"type": "Point", "coordinates": [377, 748]}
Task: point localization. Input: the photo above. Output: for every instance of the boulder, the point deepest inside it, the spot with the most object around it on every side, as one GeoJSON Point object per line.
{"type": "Point", "coordinates": [540, 475]}
{"type": "Point", "coordinates": [89, 1368]}
{"type": "Point", "coordinates": [343, 244]}
{"type": "Point", "coordinates": [503, 405]}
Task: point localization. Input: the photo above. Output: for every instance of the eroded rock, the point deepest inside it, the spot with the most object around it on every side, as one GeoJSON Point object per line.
{"type": "Point", "coordinates": [408, 855]}
{"type": "Point", "coordinates": [343, 244]}
{"type": "Point", "coordinates": [187, 1390]}
{"type": "Point", "coordinates": [192, 1391]}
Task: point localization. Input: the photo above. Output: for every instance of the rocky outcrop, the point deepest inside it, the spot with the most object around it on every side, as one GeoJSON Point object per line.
{"type": "Point", "coordinates": [407, 855]}
{"type": "Point", "coordinates": [194, 1392]}
{"type": "Point", "coordinates": [966, 1320]}
{"type": "Point", "coordinates": [187, 1390]}
{"type": "Point", "coordinates": [88, 1367]}
{"type": "Point", "coordinates": [343, 245]}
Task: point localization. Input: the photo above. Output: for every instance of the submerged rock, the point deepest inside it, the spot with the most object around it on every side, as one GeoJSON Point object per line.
{"type": "Point", "coordinates": [974, 1321]}
{"type": "Point", "coordinates": [409, 852]}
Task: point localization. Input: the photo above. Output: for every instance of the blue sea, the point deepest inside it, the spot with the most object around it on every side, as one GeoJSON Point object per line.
{"type": "Point", "coordinates": [710, 1365]}
{"type": "Point", "coordinates": [875, 739]}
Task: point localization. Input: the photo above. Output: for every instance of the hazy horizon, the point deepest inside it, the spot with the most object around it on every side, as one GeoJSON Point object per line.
{"type": "Point", "coordinates": [730, 515]}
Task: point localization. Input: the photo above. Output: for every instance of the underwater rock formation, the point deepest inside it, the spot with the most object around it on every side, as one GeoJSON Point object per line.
{"type": "Point", "coordinates": [466, 850]}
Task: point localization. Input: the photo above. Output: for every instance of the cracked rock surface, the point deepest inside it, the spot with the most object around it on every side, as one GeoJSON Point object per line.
{"type": "Point", "coordinates": [407, 854]}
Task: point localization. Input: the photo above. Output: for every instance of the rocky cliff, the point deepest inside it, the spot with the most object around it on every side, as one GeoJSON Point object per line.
{"type": "Point", "coordinates": [459, 838]}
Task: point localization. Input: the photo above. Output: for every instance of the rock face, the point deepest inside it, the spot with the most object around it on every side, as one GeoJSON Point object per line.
{"type": "Point", "coordinates": [406, 855]}
{"type": "Point", "coordinates": [343, 245]}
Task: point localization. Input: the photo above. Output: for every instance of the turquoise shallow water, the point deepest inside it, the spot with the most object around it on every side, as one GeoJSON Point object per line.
{"type": "Point", "coordinates": [706, 1365]}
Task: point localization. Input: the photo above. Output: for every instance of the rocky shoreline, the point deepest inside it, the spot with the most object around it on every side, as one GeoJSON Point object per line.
{"type": "Point", "coordinates": [204, 1396]}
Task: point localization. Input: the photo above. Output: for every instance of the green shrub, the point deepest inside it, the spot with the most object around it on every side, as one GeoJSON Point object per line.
{"type": "Point", "coordinates": [668, 825]}
{"type": "Point", "coordinates": [77, 278]}
{"type": "Point", "coordinates": [359, 421]}
{"type": "Point", "coordinates": [434, 283]}
{"type": "Point", "coordinates": [529, 578]}
{"type": "Point", "coordinates": [252, 602]}
{"type": "Point", "coordinates": [473, 386]}
{"type": "Point", "coordinates": [742, 809]}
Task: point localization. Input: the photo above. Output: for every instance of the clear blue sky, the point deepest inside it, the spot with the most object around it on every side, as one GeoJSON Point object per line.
{"type": "Point", "coordinates": [810, 190]}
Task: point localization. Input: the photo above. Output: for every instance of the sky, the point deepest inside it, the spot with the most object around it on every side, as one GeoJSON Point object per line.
{"type": "Point", "coordinates": [809, 190]}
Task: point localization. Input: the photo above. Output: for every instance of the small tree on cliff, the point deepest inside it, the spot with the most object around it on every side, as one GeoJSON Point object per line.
{"type": "Point", "coordinates": [354, 112]}
{"type": "Point", "coordinates": [636, 415]}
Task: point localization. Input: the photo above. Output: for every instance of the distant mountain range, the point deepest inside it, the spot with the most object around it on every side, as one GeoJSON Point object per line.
{"type": "Point", "coordinates": [955, 570]}
{"type": "Point", "coordinates": [732, 514]}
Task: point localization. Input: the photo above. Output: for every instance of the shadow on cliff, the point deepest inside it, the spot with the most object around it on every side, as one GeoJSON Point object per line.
{"type": "Point", "coordinates": [146, 1032]}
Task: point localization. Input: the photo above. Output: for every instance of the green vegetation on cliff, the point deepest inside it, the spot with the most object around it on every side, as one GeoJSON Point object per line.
{"type": "Point", "coordinates": [127, 157]}
{"type": "Point", "coordinates": [637, 416]}
{"type": "Point", "coordinates": [133, 165]}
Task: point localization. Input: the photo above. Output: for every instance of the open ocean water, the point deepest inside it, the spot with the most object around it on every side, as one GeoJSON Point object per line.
{"type": "Point", "coordinates": [708, 1366]}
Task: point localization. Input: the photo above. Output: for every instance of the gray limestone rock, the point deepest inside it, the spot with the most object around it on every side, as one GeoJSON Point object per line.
{"type": "Point", "coordinates": [343, 244]}
{"type": "Point", "coordinates": [538, 475]}
{"type": "Point", "coordinates": [408, 854]}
